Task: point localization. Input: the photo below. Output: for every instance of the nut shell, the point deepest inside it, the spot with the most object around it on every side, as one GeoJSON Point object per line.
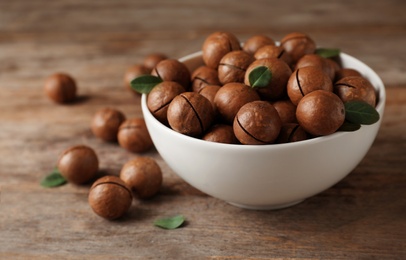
{"type": "Point", "coordinates": [305, 80]}
{"type": "Point", "coordinates": [190, 113]}
{"type": "Point", "coordinates": [78, 164]}
{"type": "Point", "coordinates": [217, 45]}
{"type": "Point", "coordinates": [150, 61]}
{"type": "Point", "coordinates": [172, 70]}
{"type": "Point", "coordinates": [143, 175]}
{"type": "Point", "coordinates": [281, 72]}
{"type": "Point", "coordinates": [204, 76]}
{"type": "Point", "coordinates": [221, 134]}
{"type": "Point", "coordinates": [320, 113]}
{"type": "Point", "coordinates": [255, 42]}
{"type": "Point", "coordinates": [133, 135]}
{"type": "Point", "coordinates": [231, 97]}
{"type": "Point", "coordinates": [291, 133]}
{"type": "Point", "coordinates": [110, 197]}
{"type": "Point", "coordinates": [257, 123]}
{"type": "Point", "coordinates": [355, 88]}
{"type": "Point", "coordinates": [160, 97]}
{"type": "Point", "coordinates": [297, 45]}
{"type": "Point", "coordinates": [233, 65]}
{"type": "Point", "coordinates": [286, 110]}
{"type": "Point", "coordinates": [133, 72]}
{"type": "Point", "coordinates": [105, 123]}
{"type": "Point", "coordinates": [61, 88]}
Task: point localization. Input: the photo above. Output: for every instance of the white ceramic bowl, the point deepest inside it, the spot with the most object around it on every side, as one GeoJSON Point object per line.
{"type": "Point", "coordinates": [265, 176]}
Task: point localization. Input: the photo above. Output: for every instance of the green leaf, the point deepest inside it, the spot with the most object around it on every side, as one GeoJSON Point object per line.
{"type": "Point", "coordinates": [170, 223]}
{"type": "Point", "coordinates": [360, 112]}
{"type": "Point", "coordinates": [260, 77]}
{"type": "Point", "coordinates": [145, 83]}
{"type": "Point", "coordinates": [327, 53]}
{"type": "Point", "coordinates": [349, 127]}
{"type": "Point", "coordinates": [53, 179]}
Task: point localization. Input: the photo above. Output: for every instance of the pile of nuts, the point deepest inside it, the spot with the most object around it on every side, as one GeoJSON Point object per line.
{"type": "Point", "coordinates": [217, 102]}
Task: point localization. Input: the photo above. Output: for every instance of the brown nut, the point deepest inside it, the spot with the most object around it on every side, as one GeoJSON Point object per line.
{"type": "Point", "coordinates": [105, 123]}
{"type": "Point", "coordinates": [317, 61]}
{"type": "Point", "coordinates": [320, 112]}
{"type": "Point", "coordinates": [172, 70]}
{"type": "Point", "coordinates": [233, 65]}
{"type": "Point", "coordinates": [273, 51]}
{"type": "Point", "coordinates": [297, 45]}
{"type": "Point", "coordinates": [286, 110]}
{"type": "Point", "coordinates": [78, 164]}
{"type": "Point", "coordinates": [133, 72]}
{"type": "Point", "coordinates": [143, 175]}
{"type": "Point", "coordinates": [204, 76]}
{"type": "Point", "coordinates": [305, 80]}
{"type": "Point", "coordinates": [231, 97]}
{"type": "Point", "coordinates": [280, 71]}
{"type": "Point", "coordinates": [133, 135]}
{"type": "Point", "coordinates": [190, 113]}
{"type": "Point", "coordinates": [256, 42]}
{"type": "Point", "coordinates": [290, 133]}
{"type": "Point", "coordinates": [257, 122]}
{"type": "Point", "coordinates": [221, 134]}
{"type": "Point", "coordinates": [150, 61]}
{"type": "Point", "coordinates": [216, 45]}
{"type": "Point", "coordinates": [109, 197]}
{"type": "Point", "coordinates": [355, 88]}
{"type": "Point", "coordinates": [210, 92]}
{"type": "Point", "coordinates": [345, 72]}
{"type": "Point", "coordinates": [60, 88]}
{"type": "Point", "coordinates": [160, 97]}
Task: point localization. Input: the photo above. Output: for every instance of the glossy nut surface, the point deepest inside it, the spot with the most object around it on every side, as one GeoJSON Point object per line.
{"type": "Point", "coordinates": [290, 133]}
{"type": "Point", "coordinates": [143, 175]}
{"type": "Point", "coordinates": [233, 65]}
{"type": "Point", "coordinates": [286, 110]}
{"type": "Point", "coordinates": [280, 71]}
{"type": "Point", "coordinates": [133, 72]}
{"type": "Point", "coordinates": [221, 133]}
{"type": "Point", "coordinates": [78, 164]}
{"type": "Point", "coordinates": [305, 80]}
{"type": "Point", "coordinates": [231, 97]}
{"type": "Point", "coordinates": [204, 76]}
{"type": "Point", "coordinates": [133, 136]}
{"type": "Point", "coordinates": [190, 113]}
{"type": "Point", "coordinates": [355, 88]}
{"type": "Point", "coordinates": [255, 42]}
{"type": "Point", "coordinates": [297, 45]}
{"type": "Point", "coordinates": [105, 123]}
{"type": "Point", "coordinates": [257, 122]}
{"type": "Point", "coordinates": [151, 60]}
{"type": "Point", "coordinates": [110, 197]}
{"type": "Point", "coordinates": [172, 70]}
{"type": "Point", "coordinates": [161, 96]}
{"type": "Point", "coordinates": [216, 45]}
{"type": "Point", "coordinates": [320, 113]}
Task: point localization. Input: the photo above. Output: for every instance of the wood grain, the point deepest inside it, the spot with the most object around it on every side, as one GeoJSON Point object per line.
{"type": "Point", "coordinates": [361, 217]}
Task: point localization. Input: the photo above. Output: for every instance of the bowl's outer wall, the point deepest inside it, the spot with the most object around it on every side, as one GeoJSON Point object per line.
{"type": "Point", "coordinates": [271, 175]}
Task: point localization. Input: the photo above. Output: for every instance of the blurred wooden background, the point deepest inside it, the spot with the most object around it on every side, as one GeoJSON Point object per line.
{"type": "Point", "coordinates": [362, 217]}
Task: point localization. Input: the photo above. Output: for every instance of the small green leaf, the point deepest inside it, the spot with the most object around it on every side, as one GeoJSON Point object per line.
{"type": "Point", "coordinates": [170, 223]}
{"type": "Point", "coordinates": [53, 179]}
{"type": "Point", "coordinates": [260, 77]}
{"type": "Point", "coordinates": [360, 112]}
{"type": "Point", "coordinates": [349, 127]}
{"type": "Point", "coordinates": [145, 83]}
{"type": "Point", "coordinates": [327, 53]}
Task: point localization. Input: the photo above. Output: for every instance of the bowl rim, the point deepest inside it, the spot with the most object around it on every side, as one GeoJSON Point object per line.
{"type": "Point", "coordinates": [379, 87]}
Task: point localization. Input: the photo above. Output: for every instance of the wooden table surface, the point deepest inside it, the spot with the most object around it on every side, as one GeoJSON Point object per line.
{"type": "Point", "coordinates": [361, 217]}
